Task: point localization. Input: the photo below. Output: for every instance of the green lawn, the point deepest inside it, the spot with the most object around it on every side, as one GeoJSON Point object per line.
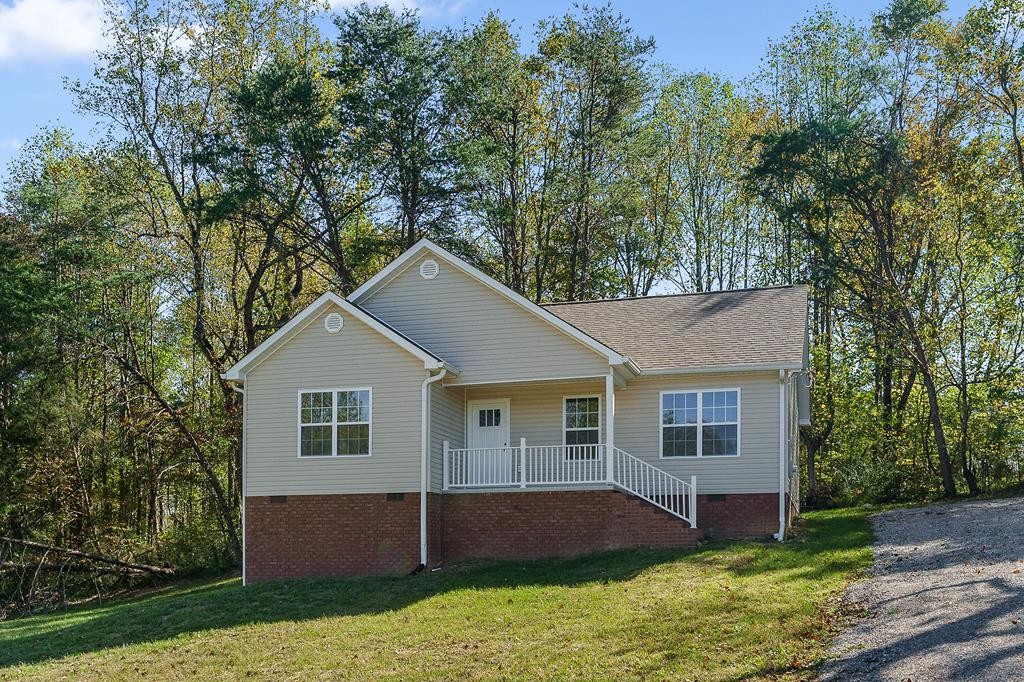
{"type": "Point", "coordinates": [729, 611]}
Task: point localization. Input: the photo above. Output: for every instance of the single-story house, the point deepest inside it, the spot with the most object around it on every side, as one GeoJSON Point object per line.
{"type": "Point", "coordinates": [435, 416]}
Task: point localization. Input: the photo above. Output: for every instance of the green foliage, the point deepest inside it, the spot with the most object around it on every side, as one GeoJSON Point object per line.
{"type": "Point", "coordinates": [251, 160]}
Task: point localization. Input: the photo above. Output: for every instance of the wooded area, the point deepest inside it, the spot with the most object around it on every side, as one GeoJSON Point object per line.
{"type": "Point", "coordinates": [255, 155]}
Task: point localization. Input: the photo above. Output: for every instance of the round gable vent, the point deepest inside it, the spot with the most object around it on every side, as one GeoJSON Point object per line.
{"type": "Point", "coordinates": [333, 323]}
{"type": "Point", "coordinates": [429, 269]}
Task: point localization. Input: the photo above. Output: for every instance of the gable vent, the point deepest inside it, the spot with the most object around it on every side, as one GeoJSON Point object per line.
{"type": "Point", "coordinates": [429, 269]}
{"type": "Point", "coordinates": [333, 323]}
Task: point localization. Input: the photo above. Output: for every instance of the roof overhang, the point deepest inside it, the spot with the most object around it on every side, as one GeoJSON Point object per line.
{"type": "Point", "coordinates": [725, 369]}
{"type": "Point", "coordinates": [397, 266]}
{"type": "Point", "coordinates": [237, 372]}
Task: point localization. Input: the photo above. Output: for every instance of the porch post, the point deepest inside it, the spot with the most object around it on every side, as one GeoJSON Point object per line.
{"type": "Point", "coordinates": [693, 501]}
{"type": "Point", "coordinates": [609, 426]}
{"type": "Point", "coordinates": [522, 462]}
{"type": "Point", "coordinates": [444, 466]}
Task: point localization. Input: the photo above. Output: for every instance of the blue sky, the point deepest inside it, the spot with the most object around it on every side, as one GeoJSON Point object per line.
{"type": "Point", "coordinates": [44, 42]}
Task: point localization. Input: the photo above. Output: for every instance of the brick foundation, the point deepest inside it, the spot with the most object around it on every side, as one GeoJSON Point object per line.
{"type": "Point", "coordinates": [341, 535]}
{"type": "Point", "coordinates": [533, 525]}
{"type": "Point", "coordinates": [319, 535]}
{"type": "Point", "coordinates": [738, 515]}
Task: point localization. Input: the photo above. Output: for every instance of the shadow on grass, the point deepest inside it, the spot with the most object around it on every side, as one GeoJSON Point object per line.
{"type": "Point", "coordinates": [225, 603]}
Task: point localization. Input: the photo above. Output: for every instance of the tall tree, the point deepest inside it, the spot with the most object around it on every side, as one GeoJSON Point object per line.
{"type": "Point", "coordinates": [392, 74]}
{"type": "Point", "coordinates": [597, 80]}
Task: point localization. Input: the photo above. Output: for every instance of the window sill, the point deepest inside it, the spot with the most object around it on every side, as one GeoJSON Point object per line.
{"type": "Point", "coordinates": [334, 456]}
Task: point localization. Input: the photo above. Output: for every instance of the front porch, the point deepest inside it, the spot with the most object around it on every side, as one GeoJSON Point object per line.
{"type": "Point", "coordinates": [552, 435]}
{"type": "Point", "coordinates": [566, 467]}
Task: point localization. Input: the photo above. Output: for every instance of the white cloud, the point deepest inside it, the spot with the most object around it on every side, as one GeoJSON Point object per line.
{"type": "Point", "coordinates": [48, 29]}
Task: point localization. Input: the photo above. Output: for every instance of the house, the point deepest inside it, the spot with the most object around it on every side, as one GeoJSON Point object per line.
{"type": "Point", "coordinates": [436, 416]}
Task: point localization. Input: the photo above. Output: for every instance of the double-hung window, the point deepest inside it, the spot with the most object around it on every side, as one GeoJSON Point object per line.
{"type": "Point", "coordinates": [700, 423]}
{"type": "Point", "coordinates": [335, 423]}
{"type": "Point", "coordinates": [582, 427]}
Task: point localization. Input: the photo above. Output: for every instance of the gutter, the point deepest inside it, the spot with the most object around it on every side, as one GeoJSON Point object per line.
{"type": "Point", "coordinates": [425, 458]}
{"type": "Point", "coordinates": [783, 377]}
{"type": "Point", "coordinates": [712, 369]}
{"type": "Point", "coordinates": [239, 388]}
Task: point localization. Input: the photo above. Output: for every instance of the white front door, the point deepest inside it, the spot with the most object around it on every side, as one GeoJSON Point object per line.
{"type": "Point", "coordinates": [488, 433]}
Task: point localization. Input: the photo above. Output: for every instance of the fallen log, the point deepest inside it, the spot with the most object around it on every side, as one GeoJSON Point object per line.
{"type": "Point", "coordinates": [10, 567]}
{"type": "Point", "coordinates": [113, 561]}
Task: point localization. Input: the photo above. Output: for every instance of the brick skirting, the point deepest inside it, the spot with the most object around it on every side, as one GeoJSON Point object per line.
{"type": "Point", "coordinates": [339, 535]}
{"type": "Point", "coordinates": [318, 535]}
{"type": "Point", "coordinates": [738, 515]}
{"type": "Point", "coordinates": [537, 524]}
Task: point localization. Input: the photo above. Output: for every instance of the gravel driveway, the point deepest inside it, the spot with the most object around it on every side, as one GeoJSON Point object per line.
{"type": "Point", "coordinates": [945, 598]}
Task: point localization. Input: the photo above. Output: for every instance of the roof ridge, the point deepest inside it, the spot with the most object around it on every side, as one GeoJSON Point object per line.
{"type": "Point", "coordinates": [677, 295]}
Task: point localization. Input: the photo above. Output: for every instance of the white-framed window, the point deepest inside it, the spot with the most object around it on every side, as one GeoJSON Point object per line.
{"type": "Point", "coordinates": [335, 422]}
{"type": "Point", "coordinates": [581, 426]}
{"type": "Point", "coordinates": [700, 423]}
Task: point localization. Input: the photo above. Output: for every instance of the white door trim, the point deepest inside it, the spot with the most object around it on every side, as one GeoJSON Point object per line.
{"type": "Point", "coordinates": [471, 408]}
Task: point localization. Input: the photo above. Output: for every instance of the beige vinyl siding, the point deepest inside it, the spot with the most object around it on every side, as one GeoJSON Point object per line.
{"type": "Point", "coordinates": [356, 357]}
{"type": "Point", "coordinates": [447, 423]}
{"type": "Point", "coordinates": [485, 335]}
{"type": "Point", "coordinates": [536, 408]}
{"type": "Point", "coordinates": [755, 470]}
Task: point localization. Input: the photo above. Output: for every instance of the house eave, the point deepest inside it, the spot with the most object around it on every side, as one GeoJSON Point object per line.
{"type": "Point", "coordinates": [720, 369]}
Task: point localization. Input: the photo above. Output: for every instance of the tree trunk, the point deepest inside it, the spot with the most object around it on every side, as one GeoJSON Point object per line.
{"type": "Point", "coordinates": [946, 471]}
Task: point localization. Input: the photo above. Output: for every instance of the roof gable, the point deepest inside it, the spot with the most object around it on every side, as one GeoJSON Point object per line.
{"type": "Point", "coordinates": [410, 256]}
{"type": "Point", "coordinates": [299, 321]}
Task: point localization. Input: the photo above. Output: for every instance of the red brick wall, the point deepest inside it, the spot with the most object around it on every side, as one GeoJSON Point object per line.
{"type": "Point", "coordinates": [738, 515]}
{"type": "Point", "coordinates": [536, 524]}
{"type": "Point", "coordinates": [319, 535]}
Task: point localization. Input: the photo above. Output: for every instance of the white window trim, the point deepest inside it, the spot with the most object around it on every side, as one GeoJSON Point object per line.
{"type": "Point", "coordinates": [334, 423]}
{"type": "Point", "coordinates": [700, 422]}
{"type": "Point", "coordinates": [600, 421]}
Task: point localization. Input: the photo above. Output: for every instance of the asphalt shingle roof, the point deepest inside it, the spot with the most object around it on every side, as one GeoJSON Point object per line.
{"type": "Point", "coordinates": [692, 331]}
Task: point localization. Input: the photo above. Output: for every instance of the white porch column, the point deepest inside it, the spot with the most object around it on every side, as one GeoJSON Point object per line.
{"type": "Point", "coordinates": [609, 425]}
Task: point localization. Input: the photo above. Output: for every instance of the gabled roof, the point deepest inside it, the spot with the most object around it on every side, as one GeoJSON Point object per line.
{"type": "Point", "coordinates": [297, 323]}
{"type": "Point", "coordinates": [745, 329]}
{"type": "Point", "coordinates": [398, 265]}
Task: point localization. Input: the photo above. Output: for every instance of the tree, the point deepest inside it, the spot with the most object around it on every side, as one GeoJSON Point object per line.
{"type": "Point", "coordinates": [595, 84]}
{"type": "Point", "coordinates": [391, 75]}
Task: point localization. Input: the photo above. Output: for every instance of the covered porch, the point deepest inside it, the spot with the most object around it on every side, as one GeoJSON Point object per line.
{"type": "Point", "coordinates": [552, 435]}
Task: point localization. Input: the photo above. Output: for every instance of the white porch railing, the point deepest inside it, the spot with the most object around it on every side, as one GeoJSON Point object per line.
{"type": "Point", "coordinates": [524, 465]}
{"type": "Point", "coordinates": [547, 465]}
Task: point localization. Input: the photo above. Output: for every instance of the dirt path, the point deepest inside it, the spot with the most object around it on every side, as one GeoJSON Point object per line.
{"type": "Point", "coordinates": [946, 597]}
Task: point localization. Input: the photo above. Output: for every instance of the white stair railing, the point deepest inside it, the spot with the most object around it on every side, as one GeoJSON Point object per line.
{"type": "Point", "coordinates": [658, 487]}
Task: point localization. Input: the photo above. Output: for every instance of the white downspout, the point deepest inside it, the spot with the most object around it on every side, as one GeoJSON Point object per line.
{"type": "Point", "coordinates": [425, 459]}
{"type": "Point", "coordinates": [609, 426]}
{"type": "Point", "coordinates": [781, 535]}
{"type": "Point", "coordinates": [241, 391]}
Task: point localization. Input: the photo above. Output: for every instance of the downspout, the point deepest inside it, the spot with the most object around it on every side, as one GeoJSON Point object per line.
{"type": "Point", "coordinates": [783, 376]}
{"type": "Point", "coordinates": [425, 460]}
{"type": "Point", "coordinates": [241, 392]}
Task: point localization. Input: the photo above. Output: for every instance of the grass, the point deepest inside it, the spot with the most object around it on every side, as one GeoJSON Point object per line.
{"type": "Point", "coordinates": [728, 611]}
